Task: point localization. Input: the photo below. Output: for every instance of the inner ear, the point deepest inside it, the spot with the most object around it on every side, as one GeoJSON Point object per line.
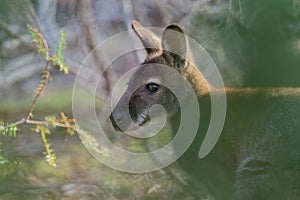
{"type": "Point", "coordinates": [174, 43]}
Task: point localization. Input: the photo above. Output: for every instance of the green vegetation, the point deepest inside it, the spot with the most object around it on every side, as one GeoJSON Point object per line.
{"type": "Point", "coordinates": [31, 177]}
{"type": "Point", "coordinates": [42, 127]}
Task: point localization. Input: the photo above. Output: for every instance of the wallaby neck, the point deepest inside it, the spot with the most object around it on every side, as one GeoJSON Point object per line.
{"type": "Point", "coordinates": [196, 79]}
{"type": "Point", "coordinates": [202, 87]}
{"type": "Point", "coordinates": [269, 91]}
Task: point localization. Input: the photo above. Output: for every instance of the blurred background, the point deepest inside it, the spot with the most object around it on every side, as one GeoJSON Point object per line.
{"type": "Point", "coordinates": [253, 42]}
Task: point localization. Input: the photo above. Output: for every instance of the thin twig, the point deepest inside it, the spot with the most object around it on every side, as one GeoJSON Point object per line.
{"type": "Point", "coordinates": [65, 120]}
{"type": "Point", "coordinates": [22, 121]}
{"type": "Point", "coordinates": [47, 75]}
{"type": "Point", "coordinates": [40, 91]}
{"type": "Point", "coordinates": [56, 124]}
{"type": "Point", "coordinates": [65, 123]}
{"type": "Point", "coordinates": [45, 44]}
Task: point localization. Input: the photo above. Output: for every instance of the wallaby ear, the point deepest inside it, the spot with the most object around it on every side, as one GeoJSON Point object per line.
{"type": "Point", "coordinates": [174, 43]}
{"type": "Point", "coordinates": [150, 41]}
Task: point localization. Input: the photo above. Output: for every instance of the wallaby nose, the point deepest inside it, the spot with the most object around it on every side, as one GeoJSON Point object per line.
{"type": "Point", "coordinates": [114, 123]}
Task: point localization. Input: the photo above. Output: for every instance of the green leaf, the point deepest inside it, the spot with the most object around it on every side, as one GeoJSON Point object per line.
{"type": "Point", "coordinates": [51, 120]}
{"type": "Point", "coordinates": [58, 58]}
{"type": "Point", "coordinates": [7, 166]}
{"type": "Point", "coordinates": [9, 129]}
{"type": "Point", "coordinates": [39, 41]}
{"type": "Point", "coordinates": [49, 154]}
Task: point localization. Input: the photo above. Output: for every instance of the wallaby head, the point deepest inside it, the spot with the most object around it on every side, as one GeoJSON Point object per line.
{"type": "Point", "coordinates": [168, 61]}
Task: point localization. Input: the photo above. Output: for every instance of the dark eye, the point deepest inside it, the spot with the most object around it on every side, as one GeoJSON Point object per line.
{"type": "Point", "coordinates": [152, 87]}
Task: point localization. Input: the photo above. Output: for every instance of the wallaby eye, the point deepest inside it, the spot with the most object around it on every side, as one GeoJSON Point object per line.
{"type": "Point", "coordinates": [152, 87]}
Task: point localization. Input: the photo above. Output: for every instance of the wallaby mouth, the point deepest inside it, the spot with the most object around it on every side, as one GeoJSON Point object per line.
{"type": "Point", "coordinates": [114, 123]}
{"type": "Point", "coordinates": [118, 121]}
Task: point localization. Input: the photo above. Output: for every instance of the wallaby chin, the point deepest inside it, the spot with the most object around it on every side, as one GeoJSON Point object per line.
{"type": "Point", "coordinates": [257, 154]}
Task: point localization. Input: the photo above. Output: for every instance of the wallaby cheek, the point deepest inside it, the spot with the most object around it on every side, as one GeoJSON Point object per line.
{"type": "Point", "coordinates": [170, 100]}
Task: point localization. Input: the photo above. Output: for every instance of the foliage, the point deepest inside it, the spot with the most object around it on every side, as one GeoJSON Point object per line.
{"type": "Point", "coordinates": [58, 58]}
{"type": "Point", "coordinates": [49, 154]}
{"type": "Point", "coordinates": [9, 129]}
{"type": "Point", "coordinates": [7, 165]}
{"type": "Point", "coordinates": [43, 126]}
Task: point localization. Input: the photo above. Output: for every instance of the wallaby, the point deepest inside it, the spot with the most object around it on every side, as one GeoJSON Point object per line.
{"type": "Point", "coordinates": [258, 153]}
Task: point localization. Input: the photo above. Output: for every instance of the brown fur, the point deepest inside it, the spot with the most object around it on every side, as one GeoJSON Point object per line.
{"type": "Point", "coordinates": [257, 155]}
